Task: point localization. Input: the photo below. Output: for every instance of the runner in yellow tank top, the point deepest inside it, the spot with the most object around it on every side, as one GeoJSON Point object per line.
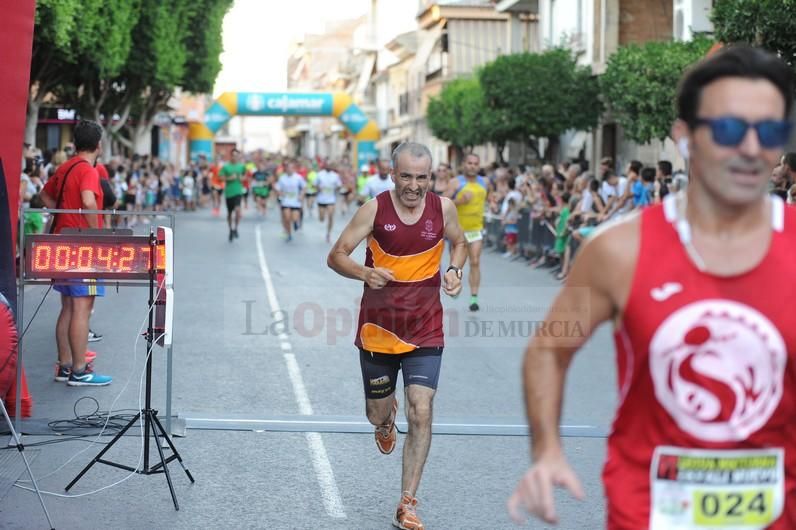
{"type": "Point", "coordinates": [470, 200]}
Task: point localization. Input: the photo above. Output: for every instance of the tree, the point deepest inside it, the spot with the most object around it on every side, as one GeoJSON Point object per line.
{"type": "Point", "coordinates": [69, 36]}
{"type": "Point", "coordinates": [766, 23]}
{"type": "Point", "coordinates": [120, 59]}
{"type": "Point", "coordinates": [460, 116]}
{"type": "Point", "coordinates": [640, 85]}
{"type": "Point", "coordinates": [177, 43]}
{"type": "Point", "coordinates": [541, 95]}
{"type": "Point", "coordinates": [55, 24]}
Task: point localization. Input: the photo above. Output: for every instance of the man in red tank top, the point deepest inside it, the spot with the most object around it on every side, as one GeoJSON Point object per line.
{"type": "Point", "coordinates": [698, 290]}
{"type": "Point", "coordinates": [400, 319]}
{"type": "Point", "coordinates": [74, 186]}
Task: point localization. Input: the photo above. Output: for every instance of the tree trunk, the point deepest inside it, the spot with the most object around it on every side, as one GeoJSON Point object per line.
{"type": "Point", "coordinates": [501, 146]}
{"type": "Point", "coordinates": [32, 120]}
{"type": "Point", "coordinates": [142, 132]}
{"type": "Point", "coordinates": [532, 144]}
{"type": "Point", "coordinates": [551, 152]}
{"type": "Point", "coordinates": [459, 156]}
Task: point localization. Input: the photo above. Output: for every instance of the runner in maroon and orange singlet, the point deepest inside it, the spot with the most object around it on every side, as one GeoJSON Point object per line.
{"type": "Point", "coordinates": [400, 320]}
{"type": "Point", "coordinates": [700, 290]}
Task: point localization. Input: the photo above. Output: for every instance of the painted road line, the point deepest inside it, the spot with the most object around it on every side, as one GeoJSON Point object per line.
{"type": "Point", "coordinates": [330, 494]}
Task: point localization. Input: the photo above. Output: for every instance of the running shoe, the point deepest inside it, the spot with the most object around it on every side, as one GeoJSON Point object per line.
{"type": "Point", "coordinates": [93, 336]}
{"type": "Point", "coordinates": [235, 232]}
{"type": "Point", "coordinates": [88, 378]}
{"type": "Point", "coordinates": [406, 516]}
{"type": "Point", "coordinates": [474, 307]}
{"type": "Point", "coordinates": [231, 235]}
{"type": "Point", "coordinates": [62, 373]}
{"type": "Point", "coordinates": [387, 435]}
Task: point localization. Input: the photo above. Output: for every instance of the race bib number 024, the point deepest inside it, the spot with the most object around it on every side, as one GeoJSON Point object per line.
{"type": "Point", "coordinates": [695, 489]}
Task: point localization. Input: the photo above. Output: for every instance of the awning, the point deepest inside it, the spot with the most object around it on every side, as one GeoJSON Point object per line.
{"type": "Point", "coordinates": [427, 41]}
{"type": "Point", "coordinates": [576, 144]}
{"type": "Point", "coordinates": [392, 136]}
{"type": "Point", "coordinates": [364, 75]}
{"type": "Point", "coordinates": [517, 6]}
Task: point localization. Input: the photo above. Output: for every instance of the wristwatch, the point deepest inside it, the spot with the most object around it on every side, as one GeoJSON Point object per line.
{"type": "Point", "coordinates": [455, 269]}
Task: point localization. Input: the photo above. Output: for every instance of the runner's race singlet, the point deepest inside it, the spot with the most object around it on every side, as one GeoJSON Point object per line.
{"type": "Point", "coordinates": [471, 214]}
{"type": "Point", "coordinates": [406, 314]}
{"type": "Point", "coordinates": [705, 433]}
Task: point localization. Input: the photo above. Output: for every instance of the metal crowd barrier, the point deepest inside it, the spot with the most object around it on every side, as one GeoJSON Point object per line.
{"type": "Point", "coordinates": [534, 234]}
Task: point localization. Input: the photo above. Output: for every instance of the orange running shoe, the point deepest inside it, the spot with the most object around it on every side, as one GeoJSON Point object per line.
{"type": "Point", "coordinates": [406, 516]}
{"type": "Point", "coordinates": [387, 434]}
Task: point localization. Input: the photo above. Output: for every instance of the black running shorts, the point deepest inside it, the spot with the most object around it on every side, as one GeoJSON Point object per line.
{"type": "Point", "coordinates": [233, 202]}
{"type": "Point", "coordinates": [380, 370]}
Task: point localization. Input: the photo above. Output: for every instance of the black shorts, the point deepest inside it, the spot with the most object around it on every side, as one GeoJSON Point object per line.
{"type": "Point", "coordinates": [295, 208]}
{"type": "Point", "coordinates": [326, 205]}
{"type": "Point", "coordinates": [233, 202]}
{"type": "Point", "coordinates": [380, 370]}
{"type": "Point", "coordinates": [311, 194]}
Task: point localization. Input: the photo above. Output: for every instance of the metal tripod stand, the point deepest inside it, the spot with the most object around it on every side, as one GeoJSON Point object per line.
{"type": "Point", "coordinates": [147, 415]}
{"type": "Point", "coordinates": [21, 449]}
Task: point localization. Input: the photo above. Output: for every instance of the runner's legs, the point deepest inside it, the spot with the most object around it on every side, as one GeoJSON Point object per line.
{"type": "Point", "coordinates": [474, 259]}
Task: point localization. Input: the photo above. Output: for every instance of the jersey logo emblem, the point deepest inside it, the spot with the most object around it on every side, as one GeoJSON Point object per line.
{"type": "Point", "coordinates": [390, 228]}
{"type": "Point", "coordinates": [667, 290]}
{"type": "Point", "coordinates": [718, 368]}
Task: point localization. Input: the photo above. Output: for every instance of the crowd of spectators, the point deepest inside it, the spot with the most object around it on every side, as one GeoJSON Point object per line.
{"type": "Point", "coordinates": [538, 213]}
{"type": "Point", "coordinates": [542, 214]}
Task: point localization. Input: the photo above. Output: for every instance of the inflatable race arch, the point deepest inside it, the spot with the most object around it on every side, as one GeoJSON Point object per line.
{"type": "Point", "coordinates": [337, 104]}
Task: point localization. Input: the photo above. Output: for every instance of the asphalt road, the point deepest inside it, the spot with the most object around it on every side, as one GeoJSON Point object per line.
{"type": "Point", "coordinates": [250, 372]}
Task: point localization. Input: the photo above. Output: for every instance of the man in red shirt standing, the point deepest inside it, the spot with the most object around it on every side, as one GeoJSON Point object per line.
{"type": "Point", "coordinates": [76, 185]}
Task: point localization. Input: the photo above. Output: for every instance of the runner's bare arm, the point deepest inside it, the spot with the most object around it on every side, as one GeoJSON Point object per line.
{"type": "Point", "coordinates": [582, 304]}
{"type": "Point", "coordinates": [596, 292]}
{"type": "Point", "coordinates": [360, 227]}
{"type": "Point", "coordinates": [454, 233]}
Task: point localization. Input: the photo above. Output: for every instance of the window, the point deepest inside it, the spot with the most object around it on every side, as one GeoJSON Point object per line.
{"type": "Point", "coordinates": [403, 104]}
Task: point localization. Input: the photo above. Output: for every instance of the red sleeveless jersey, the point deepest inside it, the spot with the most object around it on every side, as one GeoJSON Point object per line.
{"type": "Point", "coordinates": [707, 363]}
{"type": "Point", "coordinates": [407, 313]}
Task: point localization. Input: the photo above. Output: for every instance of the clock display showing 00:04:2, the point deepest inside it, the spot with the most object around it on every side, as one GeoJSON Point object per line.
{"type": "Point", "coordinates": [112, 258]}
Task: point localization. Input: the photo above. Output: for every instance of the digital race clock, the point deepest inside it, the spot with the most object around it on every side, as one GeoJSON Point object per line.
{"type": "Point", "coordinates": [90, 256]}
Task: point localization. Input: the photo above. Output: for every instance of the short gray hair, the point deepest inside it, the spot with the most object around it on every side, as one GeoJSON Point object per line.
{"type": "Point", "coordinates": [417, 150]}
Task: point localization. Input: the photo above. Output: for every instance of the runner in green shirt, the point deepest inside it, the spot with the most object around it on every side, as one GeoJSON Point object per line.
{"type": "Point", "coordinates": [232, 173]}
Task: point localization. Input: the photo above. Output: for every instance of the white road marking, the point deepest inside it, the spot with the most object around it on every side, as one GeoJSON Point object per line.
{"type": "Point", "coordinates": [330, 494]}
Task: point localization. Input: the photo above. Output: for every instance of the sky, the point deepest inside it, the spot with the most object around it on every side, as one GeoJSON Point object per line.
{"type": "Point", "coordinates": [257, 34]}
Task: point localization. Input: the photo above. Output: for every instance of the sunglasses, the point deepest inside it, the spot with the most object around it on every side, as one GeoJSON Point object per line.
{"type": "Point", "coordinates": [729, 131]}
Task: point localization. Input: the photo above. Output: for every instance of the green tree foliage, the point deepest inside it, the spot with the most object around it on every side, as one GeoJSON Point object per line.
{"type": "Point", "coordinates": [460, 116]}
{"type": "Point", "coordinates": [769, 24]}
{"type": "Point", "coordinates": [640, 85]}
{"type": "Point", "coordinates": [117, 59]}
{"type": "Point", "coordinates": [541, 95]}
{"type": "Point", "coordinates": [453, 114]}
{"type": "Point", "coordinates": [203, 40]}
